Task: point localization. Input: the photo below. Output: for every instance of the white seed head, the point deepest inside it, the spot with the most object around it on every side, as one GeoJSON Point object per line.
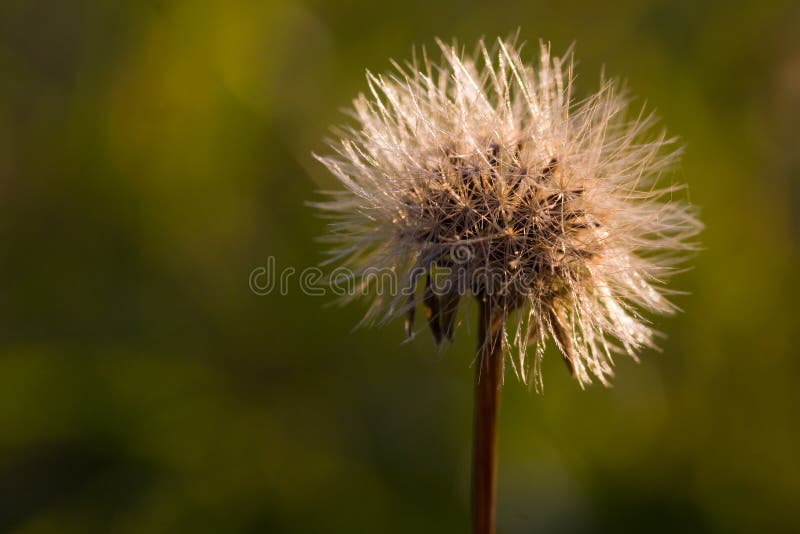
{"type": "Point", "coordinates": [483, 175]}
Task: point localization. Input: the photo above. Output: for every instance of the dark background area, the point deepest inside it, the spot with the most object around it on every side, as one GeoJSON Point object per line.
{"type": "Point", "coordinates": [153, 153]}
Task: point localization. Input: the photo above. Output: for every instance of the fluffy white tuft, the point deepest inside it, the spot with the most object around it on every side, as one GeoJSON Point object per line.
{"type": "Point", "coordinates": [483, 175]}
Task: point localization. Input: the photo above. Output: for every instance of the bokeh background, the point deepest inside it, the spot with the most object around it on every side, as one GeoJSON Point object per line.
{"type": "Point", "coordinates": [153, 153]}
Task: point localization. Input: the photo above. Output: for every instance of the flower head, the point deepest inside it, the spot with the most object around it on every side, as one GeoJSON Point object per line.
{"type": "Point", "coordinates": [483, 176]}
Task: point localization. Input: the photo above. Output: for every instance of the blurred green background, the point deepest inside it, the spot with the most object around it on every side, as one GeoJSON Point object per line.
{"type": "Point", "coordinates": [153, 153]}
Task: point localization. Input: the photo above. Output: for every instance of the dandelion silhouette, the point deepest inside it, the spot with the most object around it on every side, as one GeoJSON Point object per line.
{"type": "Point", "coordinates": [550, 212]}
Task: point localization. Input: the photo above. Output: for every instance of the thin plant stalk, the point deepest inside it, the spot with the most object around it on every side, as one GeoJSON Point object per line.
{"type": "Point", "coordinates": [488, 377]}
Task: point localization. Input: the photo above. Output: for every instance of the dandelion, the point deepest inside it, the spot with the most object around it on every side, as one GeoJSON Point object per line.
{"type": "Point", "coordinates": [482, 176]}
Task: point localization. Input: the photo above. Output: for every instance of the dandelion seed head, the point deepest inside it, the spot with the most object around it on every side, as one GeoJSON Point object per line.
{"type": "Point", "coordinates": [483, 175]}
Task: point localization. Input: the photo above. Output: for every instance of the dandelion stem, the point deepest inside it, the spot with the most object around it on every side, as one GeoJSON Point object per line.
{"type": "Point", "coordinates": [488, 375]}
